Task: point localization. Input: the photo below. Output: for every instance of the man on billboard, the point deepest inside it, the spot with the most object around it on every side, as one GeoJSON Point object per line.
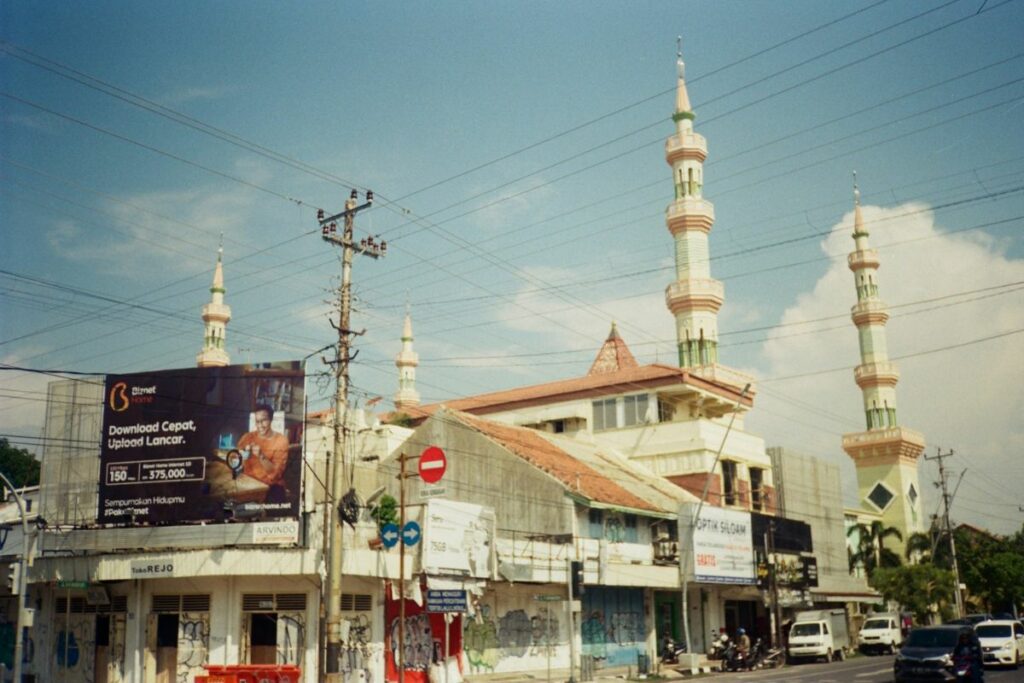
{"type": "Point", "coordinates": [268, 450]}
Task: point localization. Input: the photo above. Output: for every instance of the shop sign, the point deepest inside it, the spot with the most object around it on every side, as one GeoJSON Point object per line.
{"type": "Point", "coordinates": [152, 569]}
{"type": "Point", "coordinates": [723, 548]}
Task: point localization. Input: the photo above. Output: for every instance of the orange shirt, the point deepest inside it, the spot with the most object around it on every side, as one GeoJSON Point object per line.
{"type": "Point", "coordinates": [274, 449]}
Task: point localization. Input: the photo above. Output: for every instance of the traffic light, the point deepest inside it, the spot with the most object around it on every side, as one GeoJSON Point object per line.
{"type": "Point", "coordinates": [577, 579]}
{"type": "Point", "coordinates": [14, 578]}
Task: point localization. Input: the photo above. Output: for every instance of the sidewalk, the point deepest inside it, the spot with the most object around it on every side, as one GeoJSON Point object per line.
{"type": "Point", "coordinates": [608, 675]}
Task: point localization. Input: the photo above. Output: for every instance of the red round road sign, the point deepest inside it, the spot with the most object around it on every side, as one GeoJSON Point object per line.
{"type": "Point", "coordinates": [433, 464]}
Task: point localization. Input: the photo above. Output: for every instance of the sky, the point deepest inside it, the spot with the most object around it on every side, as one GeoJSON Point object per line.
{"type": "Point", "coordinates": [516, 153]}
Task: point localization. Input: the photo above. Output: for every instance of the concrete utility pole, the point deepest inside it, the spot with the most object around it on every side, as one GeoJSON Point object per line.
{"type": "Point", "coordinates": [367, 247]}
{"type": "Point", "coordinates": [946, 500]}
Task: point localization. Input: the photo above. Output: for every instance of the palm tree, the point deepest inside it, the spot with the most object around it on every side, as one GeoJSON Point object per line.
{"type": "Point", "coordinates": [920, 546]}
{"type": "Point", "coordinates": [871, 551]}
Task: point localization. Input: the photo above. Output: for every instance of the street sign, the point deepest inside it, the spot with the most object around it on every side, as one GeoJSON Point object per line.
{"type": "Point", "coordinates": [411, 533]}
{"type": "Point", "coordinates": [389, 535]}
{"type": "Point", "coordinates": [428, 492]}
{"type": "Point", "coordinates": [544, 597]}
{"type": "Point", "coordinates": [433, 464]}
{"type": "Point", "coordinates": [73, 584]}
{"type": "Point", "coordinates": [446, 601]}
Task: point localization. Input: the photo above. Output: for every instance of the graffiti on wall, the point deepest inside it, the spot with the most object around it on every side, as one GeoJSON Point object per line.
{"type": "Point", "coordinates": [193, 645]}
{"type": "Point", "coordinates": [614, 638]}
{"type": "Point", "coordinates": [357, 651]}
{"type": "Point", "coordinates": [419, 645]}
{"type": "Point", "coordinates": [517, 633]}
{"type": "Point", "coordinates": [291, 636]}
{"type": "Point", "coordinates": [480, 641]}
{"type": "Point", "coordinates": [75, 648]}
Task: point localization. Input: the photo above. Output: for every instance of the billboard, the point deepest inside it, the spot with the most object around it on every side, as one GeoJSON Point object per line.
{"type": "Point", "coordinates": [202, 444]}
{"type": "Point", "coordinates": [457, 539]}
{"type": "Point", "coordinates": [723, 547]}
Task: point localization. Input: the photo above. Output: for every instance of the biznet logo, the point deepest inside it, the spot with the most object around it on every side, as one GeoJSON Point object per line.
{"type": "Point", "coordinates": [120, 400]}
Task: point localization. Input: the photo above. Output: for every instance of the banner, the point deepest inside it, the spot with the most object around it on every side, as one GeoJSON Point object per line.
{"type": "Point", "coordinates": [202, 444]}
{"type": "Point", "coordinates": [723, 549]}
{"type": "Point", "coordinates": [458, 539]}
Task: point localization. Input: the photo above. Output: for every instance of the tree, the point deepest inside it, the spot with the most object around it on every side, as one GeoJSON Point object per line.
{"type": "Point", "coordinates": [871, 551]}
{"type": "Point", "coordinates": [18, 465]}
{"type": "Point", "coordinates": [924, 589]}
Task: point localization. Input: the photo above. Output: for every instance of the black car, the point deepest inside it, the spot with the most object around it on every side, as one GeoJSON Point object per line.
{"type": "Point", "coordinates": [927, 653]}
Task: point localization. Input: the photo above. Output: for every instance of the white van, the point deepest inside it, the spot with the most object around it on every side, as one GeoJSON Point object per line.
{"type": "Point", "coordinates": [818, 634]}
{"type": "Point", "coordinates": [881, 633]}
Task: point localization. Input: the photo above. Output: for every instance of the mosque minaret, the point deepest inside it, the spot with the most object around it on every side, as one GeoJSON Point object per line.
{"type": "Point", "coordinates": [694, 298]}
{"type": "Point", "coordinates": [216, 315]}
{"type": "Point", "coordinates": [406, 361]}
{"type": "Point", "coordinates": [886, 454]}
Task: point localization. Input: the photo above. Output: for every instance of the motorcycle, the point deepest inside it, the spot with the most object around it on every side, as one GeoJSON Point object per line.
{"type": "Point", "coordinates": [718, 645]}
{"type": "Point", "coordinates": [670, 650]}
{"type": "Point", "coordinates": [772, 658]}
{"type": "Point", "coordinates": [733, 659]}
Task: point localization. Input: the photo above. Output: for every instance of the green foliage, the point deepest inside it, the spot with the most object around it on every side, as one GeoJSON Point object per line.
{"type": "Point", "coordinates": [385, 511]}
{"type": "Point", "coordinates": [924, 589]}
{"type": "Point", "coordinates": [400, 420]}
{"type": "Point", "coordinates": [871, 552]}
{"type": "Point", "coordinates": [18, 465]}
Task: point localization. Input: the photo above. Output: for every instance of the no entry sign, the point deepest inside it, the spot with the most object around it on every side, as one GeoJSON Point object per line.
{"type": "Point", "coordinates": [433, 464]}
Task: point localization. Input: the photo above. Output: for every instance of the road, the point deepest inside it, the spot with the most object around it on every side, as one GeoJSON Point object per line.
{"type": "Point", "coordinates": [856, 670]}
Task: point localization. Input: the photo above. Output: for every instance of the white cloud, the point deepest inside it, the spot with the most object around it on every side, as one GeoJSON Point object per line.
{"type": "Point", "coordinates": [967, 398]}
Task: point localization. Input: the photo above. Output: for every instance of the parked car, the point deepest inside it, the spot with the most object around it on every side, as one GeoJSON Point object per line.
{"type": "Point", "coordinates": [927, 653]}
{"type": "Point", "coordinates": [978, 618]}
{"type": "Point", "coordinates": [881, 633]}
{"type": "Point", "coordinates": [1002, 642]}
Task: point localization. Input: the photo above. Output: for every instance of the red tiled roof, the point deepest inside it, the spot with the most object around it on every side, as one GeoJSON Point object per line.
{"type": "Point", "coordinates": [613, 355]}
{"type": "Point", "coordinates": [544, 455]}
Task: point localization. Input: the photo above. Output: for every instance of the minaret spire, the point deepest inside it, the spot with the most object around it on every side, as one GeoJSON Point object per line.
{"type": "Point", "coordinates": [216, 315]}
{"type": "Point", "coordinates": [885, 454]}
{"type": "Point", "coordinates": [694, 298]}
{"type": "Point", "coordinates": [406, 362]}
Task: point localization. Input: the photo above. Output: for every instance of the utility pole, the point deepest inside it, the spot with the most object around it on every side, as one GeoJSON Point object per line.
{"type": "Point", "coordinates": [940, 456]}
{"type": "Point", "coordinates": [367, 247]}
{"type": "Point", "coordinates": [776, 612]}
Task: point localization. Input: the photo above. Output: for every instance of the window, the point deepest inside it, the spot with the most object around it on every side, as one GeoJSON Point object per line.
{"type": "Point", "coordinates": [596, 519]}
{"type": "Point", "coordinates": [604, 414]}
{"type": "Point", "coordinates": [880, 496]}
{"type": "Point", "coordinates": [630, 524]}
{"type": "Point", "coordinates": [912, 495]}
{"type": "Point", "coordinates": [756, 488]}
{"type": "Point", "coordinates": [636, 409]}
{"type": "Point", "coordinates": [666, 411]}
{"type": "Point", "coordinates": [728, 482]}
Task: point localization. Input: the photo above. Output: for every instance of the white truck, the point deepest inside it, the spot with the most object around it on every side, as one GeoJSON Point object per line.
{"type": "Point", "coordinates": [881, 633]}
{"type": "Point", "coordinates": [819, 634]}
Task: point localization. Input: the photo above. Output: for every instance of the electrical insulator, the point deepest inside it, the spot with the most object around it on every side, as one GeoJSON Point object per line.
{"type": "Point", "coordinates": [323, 230]}
{"type": "Point", "coordinates": [384, 247]}
{"type": "Point", "coordinates": [319, 214]}
{"type": "Point", "coordinates": [334, 227]}
{"type": "Point", "coordinates": [369, 196]}
{"type": "Point", "coordinates": [353, 194]}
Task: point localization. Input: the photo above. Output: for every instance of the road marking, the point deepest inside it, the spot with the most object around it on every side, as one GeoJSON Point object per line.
{"type": "Point", "coordinates": [873, 673]}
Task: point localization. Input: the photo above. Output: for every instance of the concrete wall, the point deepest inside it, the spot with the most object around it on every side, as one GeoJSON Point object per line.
{"type": "Point", "coordinates": [809, 489]}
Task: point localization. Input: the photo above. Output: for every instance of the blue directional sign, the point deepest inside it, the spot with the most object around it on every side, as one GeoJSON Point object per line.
{"type": "Point", "coordinates": [411, 533]}
{"type": "Point", "coordinates": [389, 535]}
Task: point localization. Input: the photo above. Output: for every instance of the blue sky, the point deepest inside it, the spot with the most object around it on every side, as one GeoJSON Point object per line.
{"type": "Point", "coordinates": [516, 152]}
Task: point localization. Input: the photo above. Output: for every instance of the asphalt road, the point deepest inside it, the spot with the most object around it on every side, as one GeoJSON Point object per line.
{"type": "Point", "coordinates": [856, 670]}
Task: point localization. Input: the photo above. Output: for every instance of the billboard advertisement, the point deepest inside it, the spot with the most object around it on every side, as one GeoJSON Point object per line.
{"type": "Point", "coordinates": [723, 547]}
{"type": "Point", "coordinates": [457, 539]}
{"type": "Point", "coordinates": [202, 444]}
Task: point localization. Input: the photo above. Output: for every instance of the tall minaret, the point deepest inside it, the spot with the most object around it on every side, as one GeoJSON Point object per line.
{"type": "Point", "coordinates": [216, 315]}
{"type": "Point", "coordinates": [694, 298]}
{"type": "Point", "coordinates": [886, 454]}
{"type": "Point", "coordinates": [406, 361]}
